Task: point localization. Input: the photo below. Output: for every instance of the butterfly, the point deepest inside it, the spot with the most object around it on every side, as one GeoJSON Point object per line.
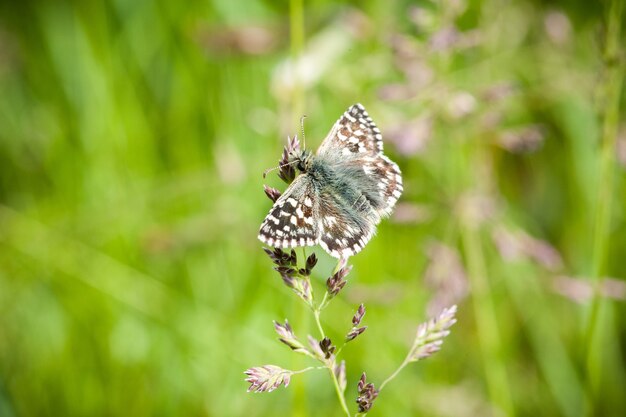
{"type": "Point", "coordinates": [341, 194]}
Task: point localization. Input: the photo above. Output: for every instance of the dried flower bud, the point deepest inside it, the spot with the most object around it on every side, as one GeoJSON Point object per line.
{"type": "Point", "coordinates": [267, 378]}
{"type": "Point", "coordinates": [327, 347]}
{"type": "Point", "coordinates": [286, 264]}
{"type": "Point", "coordinates": [336, 283]}
{"type": "Point", "coordinates": [287, 336]}
{"type": "Point", "coordinates": [356, 320]}
{"type": "Point", "coordinates": [340, 374]}
{"type": "Point", "coordinates": [316, 348]}
{"type": "Point", "coordinates": [430, 335]}
{"type": "Point", "coordinates": [286, 270]}
{"type": "Point", "coordinates": [301, 286]}
{"type": "Point", "coordinates": [286, 171]}
{"type": "Point", "coordinates": [289, 275]}
{"type": "Point", "coordinates": [311, 261]}
{"type": "Point", "coordinates": [354, 332]}
{"type": "Point", "coordinates": [303, 289]}
{"type": "Point", "coordinates": [367, 394]}
{"type": "Point", "coordinates": [279, 257]}
{"type": "Point", "coordinates": [271, 193]}
{"type": "Point", "coordinates": [358, 316]}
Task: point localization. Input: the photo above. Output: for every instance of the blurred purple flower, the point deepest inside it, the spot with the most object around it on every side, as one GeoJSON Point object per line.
{"type": "Point", "coordinates": [445, 275]}
{"type": "Point", "coordinates": [412, 137]}
{"type": "Point", "coordinates": [460, 105]}
{"type": "Point", "coordinates": [515, 245]}
{"type": "Point", "coordinates": [444, 39]}
{"type": "Point", "coordinates": [475, 208]}
{"type": "Point", "coordinates": [498, 92]}
{"type": "Point", "coordinates": [244, 39]}
{"type": "Point", "coordinates": [522, 140]}
{"type": "Point", "coordinates": [406, 212]}
{"type": "Point", "coordinates": [580, 290]}
{"type": "Point", "coordinates": [557, 27]}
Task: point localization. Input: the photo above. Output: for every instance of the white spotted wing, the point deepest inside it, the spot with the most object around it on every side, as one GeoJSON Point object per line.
{"type": "Point", "coordinates": [355, 139]}
{"type": "Point", "coordinates": [291, 221]}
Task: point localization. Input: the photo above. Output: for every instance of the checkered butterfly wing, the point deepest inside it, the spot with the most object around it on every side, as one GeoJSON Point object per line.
{"type": "Point", "coordinates": [345, 228]}
{"type": "Point", "coordinates": [356, 140]}
{"type": "Point", "coordinates": [291, 220]}
{"type": "Point", "coordinates": [354, 147]}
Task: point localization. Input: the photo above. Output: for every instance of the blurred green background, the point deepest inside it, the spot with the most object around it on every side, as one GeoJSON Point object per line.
{"type": "Point", "coordinates": [133, 135]}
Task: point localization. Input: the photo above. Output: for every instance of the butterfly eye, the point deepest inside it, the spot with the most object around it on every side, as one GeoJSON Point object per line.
{"type": "Point", "coordinates": [301, 165]}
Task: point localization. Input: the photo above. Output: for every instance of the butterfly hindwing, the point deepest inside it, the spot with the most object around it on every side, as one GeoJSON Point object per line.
{"type": "Point", "coordinates": [388, 180]}
{"type": "Point", "coordinates": [291, 221]}
{"type": "Point", "coordinates": [345, 227]}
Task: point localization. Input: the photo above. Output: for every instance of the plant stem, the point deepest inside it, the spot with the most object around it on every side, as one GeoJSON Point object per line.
{"type": "Point", "coordinates": [484, 310]}
{"type": "Point", "coordinates": [330, 367]}
{"type": "Point", "coordinates": [316, 314]}
{"type": "Point", "coordinates": [337, 267]}
{"type": "Point", "coordinates": [307, 369]}
{"type": "Point", "coordinates": [342, 399]}
{"type": "Point", "coordinates": [394, 374]}
{"type": "Point", "coordinates": [610, 89]}
{"type": "Point", "coordinates": [323, 302]}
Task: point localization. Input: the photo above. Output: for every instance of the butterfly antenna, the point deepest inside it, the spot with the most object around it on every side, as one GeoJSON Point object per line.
{"type": "Point", "coordinates": [275, 168]}
{"type": "Point", "coordinates": [302, 127]}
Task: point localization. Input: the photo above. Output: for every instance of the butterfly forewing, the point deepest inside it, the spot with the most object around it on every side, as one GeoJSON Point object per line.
{"type": "Point", "coordinates": [354, 135]}
{"type": "Point", "coordinates": [291, 221]}
{"type": "Point", "coordinates": [355, 138]}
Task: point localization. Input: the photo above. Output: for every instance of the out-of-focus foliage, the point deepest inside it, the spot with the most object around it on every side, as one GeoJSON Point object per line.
{"type": "Point", "coordinates": [133, 135]}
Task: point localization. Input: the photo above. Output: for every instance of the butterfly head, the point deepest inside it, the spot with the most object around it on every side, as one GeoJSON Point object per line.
{"type": "Point", "coordinates": [304, 160]}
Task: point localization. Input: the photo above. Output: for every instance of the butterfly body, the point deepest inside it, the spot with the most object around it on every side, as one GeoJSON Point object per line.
{"type": "Point", "coordinates": [341, 194]}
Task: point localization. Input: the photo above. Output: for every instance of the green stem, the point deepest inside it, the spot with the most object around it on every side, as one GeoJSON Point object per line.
{"type": "Point", "coordinates": [484, 310]}
{"type": "Point", "coordinates": [330, 366]}
{"type": "Point", "coordinates": [394, 374]}
{"type": "Point", "coordinates": [611, 89]}
{"type": "Point", "coordinates": [316, 314]}
{"type": "Point", "coordinates": [307, 369]}
{"type": "Point", "coordinates": [325, 299]}
{"type": "Point", "coordinates": [337, 267]}
{"type": "Point", "coordinates": [342, 399]}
